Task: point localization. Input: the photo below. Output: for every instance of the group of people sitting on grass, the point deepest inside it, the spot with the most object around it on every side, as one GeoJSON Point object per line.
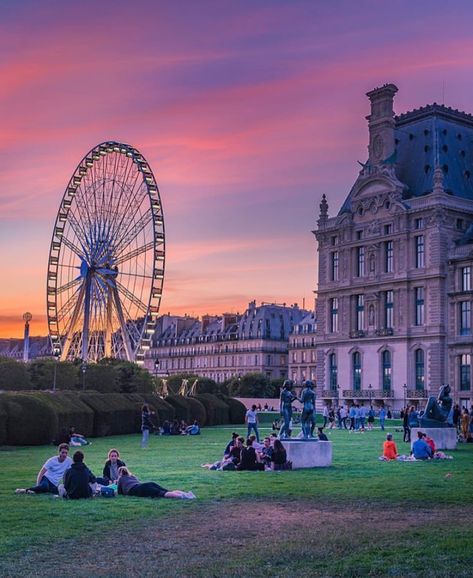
{"type": "Point", "coordinates": [176, 428]}
{"type": "Point", "coordinates": [422, 449]}
{"type": "Point", "coordinates": [251, 455]}
{"type": "Point", "coordinates": [71, 478]}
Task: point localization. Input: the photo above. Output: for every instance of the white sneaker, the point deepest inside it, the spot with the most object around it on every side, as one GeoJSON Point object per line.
{"type": "Point", "coordinates": [20, 491]}
{"type": "Point", "coordinates": [189, 496]}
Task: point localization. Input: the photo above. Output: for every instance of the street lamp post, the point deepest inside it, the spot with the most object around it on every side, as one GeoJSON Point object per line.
{"type": "Point", "coordinates": [404, 387]}
{"type": "Point", "coordinates": [83, 368]}
{"type": "Point", "coordinates": [338, 395]}
{"type": "Point", "coordinates": [56, 354]}
{"type": "Point", "coordinates": [370, 388]}
{"type": "Point", "coordinates": [156, 368]}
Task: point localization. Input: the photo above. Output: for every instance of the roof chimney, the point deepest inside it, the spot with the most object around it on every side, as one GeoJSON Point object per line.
{"type": "Point", "coordinates": [381, 123]}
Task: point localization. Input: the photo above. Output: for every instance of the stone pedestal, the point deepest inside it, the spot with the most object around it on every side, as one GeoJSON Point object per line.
{"type": "Point", "coordinates": [308, 454]}
{"type": "Point", "coordinates": [445, 438]}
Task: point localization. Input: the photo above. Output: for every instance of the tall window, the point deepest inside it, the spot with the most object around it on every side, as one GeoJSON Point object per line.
{"type": "Point", "coordinates": [332, 364]}
{"type": "Point", "coordinates": [420, 369]}
{"type": "Point", "coordinates": [356, 370]}
{"type": "Point", "coordinates": [465, 372]}
{"type": "Point", "coordinates": [420, 251]}
{"type": "Point", "coordinates": [360, 312]}
{"type": "Point", "coordinates": [387, 369]}
{"type": "Point", "coordinates": [466, 278]}
{"type": "Point", "coordinates": [389, 309]}
{"type": "Point", "coordinates": [334, 315]}
{"type": "Point", "coordinates": [388, 257]}
{"type": "Point", "coordinates": [360, 261]}
{"type": "Point", "coordinates": [465, 317]}
{"type": "Point", "coordinates": [334, 266]}
{"type": "Point", "coordinates": [419, 295]}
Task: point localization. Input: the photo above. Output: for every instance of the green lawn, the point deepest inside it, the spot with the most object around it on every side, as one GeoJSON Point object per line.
{"type": "Point", "coordinates": [358, 517]}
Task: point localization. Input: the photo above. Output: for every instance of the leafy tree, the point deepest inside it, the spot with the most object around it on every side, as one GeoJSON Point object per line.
{"type": "Point", "coordinates": [132, 378]}
{"type": "Point", "coordinates": [13, 375]}
{"type": "Point", "coordinates": [42, 374]}
{"type": "Point", "coordinates": [251, 385]}
{"type": "Point", "coordinates": [102, 377]}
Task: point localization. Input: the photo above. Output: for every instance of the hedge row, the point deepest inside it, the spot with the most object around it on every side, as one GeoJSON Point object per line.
{"type": "Point", "coordinates": [36, 418]}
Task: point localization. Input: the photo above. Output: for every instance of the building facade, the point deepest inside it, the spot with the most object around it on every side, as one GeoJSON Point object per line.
{"type": "Point", "coordinates": [226, 346]}
{"type": "Point", "coordinates": [394, 319]}
{"type": "Point", "coordinates": [302, 353]}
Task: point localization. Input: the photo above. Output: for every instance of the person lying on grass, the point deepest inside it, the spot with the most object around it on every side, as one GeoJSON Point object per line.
{"type": "Point", "coordinates": [51, 474]}
{"type": "Point", "coordinates": [230, 460]}
{"type": "Point", "coordinates": [130, 485]}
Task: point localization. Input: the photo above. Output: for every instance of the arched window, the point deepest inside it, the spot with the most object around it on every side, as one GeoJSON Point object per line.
{"type": "Point", "coordinates": [387, 370]}
{"type": "Point", "coordinates": [356, 368]}
{"type": "Point", "coordinates": [332, 364]}
{"type": "Point", "coordinates": [420, 369]}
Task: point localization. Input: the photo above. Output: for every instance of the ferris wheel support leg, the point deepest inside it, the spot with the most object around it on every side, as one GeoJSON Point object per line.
{"type": "Point", "coordinates": [121, 318]}
{"type": "Point", "coordinates": [85, 330]}
{"type": "Point", "coordinates": [73, 324]}
{"type": "Point", "coordinates": [108, 330]}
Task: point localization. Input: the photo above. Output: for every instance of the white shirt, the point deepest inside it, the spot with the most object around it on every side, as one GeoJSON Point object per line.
{"type": "Point", "coordinates": [251, 416]}
{"type": "Point", "coordinates": [55, 469]}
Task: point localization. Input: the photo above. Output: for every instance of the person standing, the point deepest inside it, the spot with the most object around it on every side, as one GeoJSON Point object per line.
{"type": "Point", "coordinates": [251, 419]}
{"type": "Point", "coordinates": [343, 417]}
{"type": "Point", "coordinates": [325, 415]}
{"type": "Point", "coordinates": [382, 417]}
{"type": "Point", "coordinates": [362, 416]}
{"type": "Point", "coordinates": [146, 425]}
{"type": "Point", "coordinates": [405, 425]}
{"type": "Point", "coordinates": [352, 417]}
{"type": "Point", "coordinates": [51, 474]}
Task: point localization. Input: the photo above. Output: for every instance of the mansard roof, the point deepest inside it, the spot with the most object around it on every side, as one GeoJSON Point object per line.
{"type": "Point", "coordinates": [435, 135]}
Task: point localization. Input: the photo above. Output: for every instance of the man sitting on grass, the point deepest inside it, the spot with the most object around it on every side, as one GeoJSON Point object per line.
{"type": "Point", "coordinates": [79, 481]}
{"type": "Point", "coordinates": [421, 449]}
{"type": "Point", "coordinates": [50, 474]}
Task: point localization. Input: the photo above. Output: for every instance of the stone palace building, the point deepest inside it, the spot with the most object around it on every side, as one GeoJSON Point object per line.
{"type": "Point", "coordinates": [394, 298]}
{"type": "Point", "coordinates": [226, 346]}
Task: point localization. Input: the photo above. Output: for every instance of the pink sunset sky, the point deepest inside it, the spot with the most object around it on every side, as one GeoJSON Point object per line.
{"type": "Point", "coordinates": [248, 111]}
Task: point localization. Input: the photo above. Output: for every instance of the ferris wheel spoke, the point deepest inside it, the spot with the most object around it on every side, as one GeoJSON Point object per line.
{"type": "Point", "coordinates": [123, 326]}
{"type": "Point", "coordinates": [131, 297]}
{"type": "Point", "coordinates": [135, 253]}
{"type": "Point", "coordinates": [68, 286]}
{"type": "Point", "coordinates": [132, 233]}
{"type": "Point", "coordinates": [78, 229]}
{"type": "Point", "coordinates": [67, 307]}
{"type": "Point", "coordinates": [70, 245]}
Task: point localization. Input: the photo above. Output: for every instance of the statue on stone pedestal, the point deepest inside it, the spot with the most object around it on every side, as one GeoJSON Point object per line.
{"type": "Point", "coordinates": [437, 410]}
{"type": "Point", "coordinates": [307, 399]}
{"type": "Point", "coordinates": [285, 408]}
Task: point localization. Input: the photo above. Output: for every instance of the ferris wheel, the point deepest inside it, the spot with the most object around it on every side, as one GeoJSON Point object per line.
{"type": "Point", "coordinates": [106, 260]}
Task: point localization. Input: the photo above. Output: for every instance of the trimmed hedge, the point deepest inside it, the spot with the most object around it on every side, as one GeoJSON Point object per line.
{"type": "Point", "coordinates": [3, 421]}
{"type": "Point", "coordinates": [70, 411]}
{"type": "Point", "coordinates": [181, 407]}
{"type": "Point", "coordinates": [197, 411]}
{"type": "Point", "coordinates": [113, 413]}
{"type": "Point", "coordinates": [236, 408]}
{"type": "Point", "coordinates": [31, 421]}
{"type": "Point", "coordinates": [218, 412]}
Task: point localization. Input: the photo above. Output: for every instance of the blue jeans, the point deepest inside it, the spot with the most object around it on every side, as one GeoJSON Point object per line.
{"type": "Point", "coordinates": [44, 487]}
{"type": "Point", "coordinates": [253, 426]}
{"type": "Point", "coordinates": [144, 439]}
{"type": "Point", "coordinates": [381, 423]}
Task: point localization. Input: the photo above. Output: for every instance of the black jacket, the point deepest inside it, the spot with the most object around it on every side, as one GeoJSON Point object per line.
{"type": "Point", "coordinates": [76, 481]}
{"type": "Point", "coordinates": [106, 469]}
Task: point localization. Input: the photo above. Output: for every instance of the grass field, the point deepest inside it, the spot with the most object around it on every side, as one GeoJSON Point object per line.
{"type": "Point", "coordinates": [360, 517]}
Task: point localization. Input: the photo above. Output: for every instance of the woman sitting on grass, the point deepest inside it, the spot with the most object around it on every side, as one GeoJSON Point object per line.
{"type": "Point", "coordinates": [279, 457]}
{"type": "Point", "coordinates": [111, 467]}
{"type": "Point", "coordinates": [389, 449]}
{"type": "Point", "coordinates": [129, 485]}
{"type": "Point", "coordinates": [249, 458]}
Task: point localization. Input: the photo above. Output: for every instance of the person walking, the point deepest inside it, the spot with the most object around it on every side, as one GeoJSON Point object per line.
{"type": "Point", "coordinates": [343, 417]}
{"type": "Point", "coordinates": [251, 419]}
{"type": "Point", "coordinates": [405, 425]}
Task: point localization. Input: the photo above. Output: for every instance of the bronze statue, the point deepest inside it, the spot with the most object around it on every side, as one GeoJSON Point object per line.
{"type": "Point", "coordinates": [285, 408]}
{"type": "Point", "coordinates": [307, 399]}
{"type": "Point", "coordinates": [437, 410]}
